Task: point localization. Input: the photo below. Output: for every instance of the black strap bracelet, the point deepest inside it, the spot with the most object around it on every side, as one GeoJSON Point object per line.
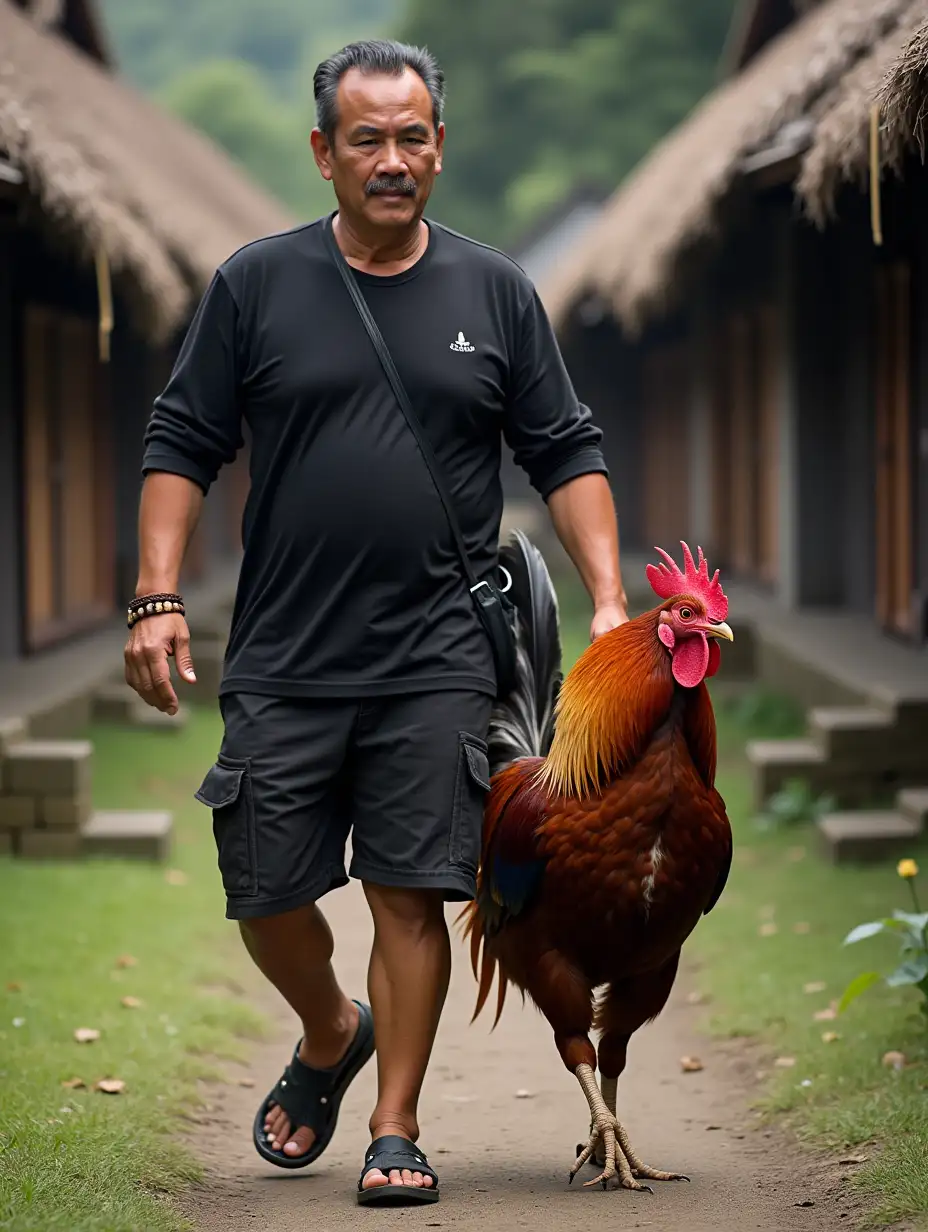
{"type": "Point", "coordinates": [154, 605]}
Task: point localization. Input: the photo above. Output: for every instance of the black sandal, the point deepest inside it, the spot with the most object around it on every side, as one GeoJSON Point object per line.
{"type": "Point", "coordinates": [312, 1097]}
{"type": "Point", "coordinates": [389, 1152]}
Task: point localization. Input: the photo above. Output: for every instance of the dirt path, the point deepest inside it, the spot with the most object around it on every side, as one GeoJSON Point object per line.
{"type": "Point", "coordinates": [500, 1120]}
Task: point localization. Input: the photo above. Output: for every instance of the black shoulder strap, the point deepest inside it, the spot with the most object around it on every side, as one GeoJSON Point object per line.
{"type": "Point", "coordinates": [399, 390]}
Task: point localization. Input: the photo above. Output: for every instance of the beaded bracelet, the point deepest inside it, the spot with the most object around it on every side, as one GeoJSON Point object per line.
{"type": "Point", "coordinates": [154, 605]}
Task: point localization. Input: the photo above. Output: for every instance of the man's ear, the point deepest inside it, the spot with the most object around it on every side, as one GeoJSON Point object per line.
{"type": "Point", "coordinates": [322, 153]}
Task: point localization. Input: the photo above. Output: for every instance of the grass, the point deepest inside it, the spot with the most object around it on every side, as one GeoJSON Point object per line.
{"type": "Point", "coordinates": [75, 1159]}
{"type": "Point", "coordinates": [837, 1095]}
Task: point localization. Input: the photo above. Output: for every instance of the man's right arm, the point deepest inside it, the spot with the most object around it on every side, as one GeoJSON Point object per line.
{"type": "Point", "coordinates": [195, 428]}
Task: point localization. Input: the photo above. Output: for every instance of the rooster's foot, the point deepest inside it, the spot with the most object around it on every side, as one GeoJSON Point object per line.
{"type": "Point", "coordinates": [619, 1158]}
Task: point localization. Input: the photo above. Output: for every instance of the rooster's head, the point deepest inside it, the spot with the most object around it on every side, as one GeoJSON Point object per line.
{"type": "Point", "coordinates": [694, 612]}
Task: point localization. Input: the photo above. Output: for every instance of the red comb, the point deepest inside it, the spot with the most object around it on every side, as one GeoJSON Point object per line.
{"type": "Point", "coordinates": [667, 580]}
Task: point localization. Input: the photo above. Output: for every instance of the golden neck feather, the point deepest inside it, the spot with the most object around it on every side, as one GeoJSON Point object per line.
{"type": "Point", "coordinates": [610, 704]}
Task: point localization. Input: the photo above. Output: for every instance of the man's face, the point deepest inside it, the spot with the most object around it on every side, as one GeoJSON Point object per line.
{"type": "Point", "coordinates": [386, 152]}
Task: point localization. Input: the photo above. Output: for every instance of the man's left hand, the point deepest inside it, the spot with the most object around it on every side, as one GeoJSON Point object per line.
{"type": "Point", "coordinates": [607, 616]}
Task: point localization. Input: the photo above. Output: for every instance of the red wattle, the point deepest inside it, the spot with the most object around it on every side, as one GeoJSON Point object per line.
{"type": "Point", "coordinates": [691, 660]}
{"type": "Point", "coordinates": [715, 657]}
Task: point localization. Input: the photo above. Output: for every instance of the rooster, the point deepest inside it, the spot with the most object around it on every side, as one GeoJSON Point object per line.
{"type": "Point", "coordinates": [604, 838]}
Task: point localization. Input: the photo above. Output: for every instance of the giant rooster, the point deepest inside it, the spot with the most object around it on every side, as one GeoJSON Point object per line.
{"type": "Point", "coordinates": [604, 837]}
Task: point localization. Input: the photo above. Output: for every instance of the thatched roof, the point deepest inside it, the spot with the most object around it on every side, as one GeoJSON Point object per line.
{"type": "Point", "coordinates": [822, 67]}
{"type": "Point", "coordinates": [109, 169]}
{"type": "Point", "coordinates": [904, 93]}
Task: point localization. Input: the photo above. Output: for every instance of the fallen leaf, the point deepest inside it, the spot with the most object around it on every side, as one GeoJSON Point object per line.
{"type": "Point", "coordinates": [795, 854]}
{"type": "Point", "coordinates": [126, 960]}
{"type": "Point", "coordinates": [110, 1086]}
{"type": "Point", "coordinates": [768, 930]}
{"type": "Point", "coordinates": [691, 1065]}
{"type": "Point", "coordinates": [826, 1015]}
{"type": "Point", "coordinates": [523, 1094]}
{"type": "Point", "coordinates": [132, 1003]}
{"type": "Point", "coordinates": [74, 1084]}
{"type": "Point", "coordinates": [246, 1082]}
{"type": "Point", "coordinates": [695, 998]}
{"type": "Point", "coordinates": [895, 1060]}
{"type": "Point", "coordinates": [86, 1035]}
{"type": "Point", "coordinates": [174, 876]}
{"type": "Point", "coordinates": [14, 987]}
{"type": "Point", "coordinates": [854, 1159]}
{"type": "Point", "coordinates": [815, 986]}
{"type": "Point", "coordinates": [713, 1127]}
{"type": "Point", "coordinates": [829, 1037]}
{"type": "Point", "coordinates": [785, 1062]}
{"type": "Point", "coordinates": [802, 928]}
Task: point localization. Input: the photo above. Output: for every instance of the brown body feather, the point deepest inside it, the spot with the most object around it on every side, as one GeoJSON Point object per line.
{"type": "Point", "coordinates": [627, 841]}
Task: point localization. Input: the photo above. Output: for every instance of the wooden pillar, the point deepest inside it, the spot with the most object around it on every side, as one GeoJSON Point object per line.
{"type": "Point", "coordinates": [10, 522]}
{"type": "Point", "coordinates": [701, 423]}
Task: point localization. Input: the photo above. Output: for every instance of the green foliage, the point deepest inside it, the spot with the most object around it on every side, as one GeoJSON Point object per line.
{"type": "Point", "coordinates": [762, 714]}
{"type": "Point", "coordinates": [548, 95]}
{"type": "Point", "coordinates": [543, 95]}
{"type": "Point", "coordinates": [242, 73]}
{"type": "Point", "coordinates": [794, 803]}
{"type": "Point", "coordinates": [911, 931]}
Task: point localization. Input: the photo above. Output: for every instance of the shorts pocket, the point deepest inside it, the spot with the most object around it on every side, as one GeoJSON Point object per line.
{"type": "Point", "coordinates": [227, 791]}
{"type": "Point", "coordinates": [470, 791]}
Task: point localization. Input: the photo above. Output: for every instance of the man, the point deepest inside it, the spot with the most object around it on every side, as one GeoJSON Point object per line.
{"type": "Point", "coordinates": [358, 677]}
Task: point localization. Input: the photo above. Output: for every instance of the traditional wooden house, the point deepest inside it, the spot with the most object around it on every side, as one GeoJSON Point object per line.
{"type": "Point", "coordinates": [750, 318]}
{"type": "Point", "coordinates": [113, 217]}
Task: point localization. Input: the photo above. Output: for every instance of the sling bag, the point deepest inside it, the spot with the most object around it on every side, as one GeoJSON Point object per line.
{"type": "Point", "coordinates": [494, 609]}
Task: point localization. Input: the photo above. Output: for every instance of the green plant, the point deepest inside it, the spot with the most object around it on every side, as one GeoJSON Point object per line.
{"type": "Point", "coordinates": [911, 930]}
{"type": "Point", "coordinates": [764, 714]}
{"type": "Point", "coordinates": [794, 803]}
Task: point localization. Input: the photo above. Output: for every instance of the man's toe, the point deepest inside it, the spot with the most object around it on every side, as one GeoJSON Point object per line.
{"type": "Point", "coordinates": [374, 1179]}
{"type": "Point", "coordinates": [300, 1142]}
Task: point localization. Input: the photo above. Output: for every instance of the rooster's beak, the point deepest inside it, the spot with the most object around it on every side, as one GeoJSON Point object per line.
{"type": "Point", "coordinates": [720, 630]}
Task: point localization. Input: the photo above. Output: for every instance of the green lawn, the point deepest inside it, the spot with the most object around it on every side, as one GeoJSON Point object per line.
{"type": "Point", "coordinates": [780, 927]}
{"type": "Point", "coordinates": [76, 1159]}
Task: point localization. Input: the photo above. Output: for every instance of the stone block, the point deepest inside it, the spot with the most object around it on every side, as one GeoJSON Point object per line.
{"type": "Point", "coordinates": [59, 768]}
{"type": "Point", "coordinates": [114, 703]}
{"type": "Point", "coordinates": [50, 844]}
{"type": "Point", "coordinates": [866, 836]}
{"type": "Point", "coordinates": [63, 813]}
{"type": "Point", "coordinates": [18, 812]}
{"type": "Point", "coordinates": [63, 718]}
{"type": "Point", "coordinates": [913, 803]}
{"type": "Point", "coordinates": [144, 836]}
{"type": "Point", "coordinates": [12, 731]}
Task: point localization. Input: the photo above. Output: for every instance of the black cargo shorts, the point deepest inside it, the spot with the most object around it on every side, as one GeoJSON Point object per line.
{"type": "Point", "coordinates": [405, 776]}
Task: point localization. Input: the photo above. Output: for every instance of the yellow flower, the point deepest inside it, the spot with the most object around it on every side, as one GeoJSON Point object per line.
{"type": "Point", "coordinates": [907, 869]}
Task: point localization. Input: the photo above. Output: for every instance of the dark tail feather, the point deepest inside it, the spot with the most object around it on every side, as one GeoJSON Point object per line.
{"type": "Point", "coordinates": [523, 723]}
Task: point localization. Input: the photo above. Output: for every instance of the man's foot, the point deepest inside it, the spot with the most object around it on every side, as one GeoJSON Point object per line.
{"type": "Point", "coordinates": [296, 1121]}
{"type": "Point", "coordinates": [396, 1171]}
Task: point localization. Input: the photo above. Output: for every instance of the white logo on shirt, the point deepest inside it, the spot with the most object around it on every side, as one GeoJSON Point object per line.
{"type": "Point", "coordinates": [461, 343]}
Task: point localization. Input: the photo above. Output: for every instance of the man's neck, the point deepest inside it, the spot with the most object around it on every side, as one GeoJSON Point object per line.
{"type": "Point", "coordinates": [392, 252]}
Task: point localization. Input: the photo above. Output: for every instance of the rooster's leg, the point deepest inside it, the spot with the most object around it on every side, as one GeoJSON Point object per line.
{"type": "Point", "coordinates": [607, 1130]}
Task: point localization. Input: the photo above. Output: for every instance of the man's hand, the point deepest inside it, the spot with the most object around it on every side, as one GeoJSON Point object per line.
{"type": "Point", "coordinates": [151, 643]}
{"type": "Point", "coordinates": [607, 616]}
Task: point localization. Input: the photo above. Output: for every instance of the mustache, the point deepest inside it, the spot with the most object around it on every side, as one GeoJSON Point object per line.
{"type": "Point", "coordinates": [405, 185]}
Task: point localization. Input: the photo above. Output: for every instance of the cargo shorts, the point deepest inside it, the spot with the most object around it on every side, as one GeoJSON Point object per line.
{"type": "Point", "coordinates": [406, 777]}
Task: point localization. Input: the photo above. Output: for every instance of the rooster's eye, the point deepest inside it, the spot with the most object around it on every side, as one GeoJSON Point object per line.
{"type": "Point", "coordinates": [686, 613]}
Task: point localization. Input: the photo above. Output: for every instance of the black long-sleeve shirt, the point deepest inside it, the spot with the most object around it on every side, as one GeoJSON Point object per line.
{"type": "Point", "coordinates": [350, 583]}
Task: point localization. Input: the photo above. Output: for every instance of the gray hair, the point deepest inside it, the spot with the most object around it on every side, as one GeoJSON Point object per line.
{"type": "Point", "coordinates": [373, 56]}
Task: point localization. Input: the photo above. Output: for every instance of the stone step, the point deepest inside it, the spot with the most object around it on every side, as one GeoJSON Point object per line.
{"type": "Point", "coordinates": [134, 835]}
{"type": "Point", "coordinates": [57, 768]}
{"type": "Point", "coordinates": [867, 836]}
{"type": "Point", "coordinates": [775, 762]}
{"type": "Point", "coordinates": [912, 802]}
{"type": "Point", "coordinates": [12, 731]}
{"type": "Point", "coordinates": [116, 703]}
{"type": "Point", "coordinates": [866, 737]}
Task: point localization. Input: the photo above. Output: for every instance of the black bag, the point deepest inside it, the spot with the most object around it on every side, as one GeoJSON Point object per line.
{"type": "Point", "coordinates": [496, 613]}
